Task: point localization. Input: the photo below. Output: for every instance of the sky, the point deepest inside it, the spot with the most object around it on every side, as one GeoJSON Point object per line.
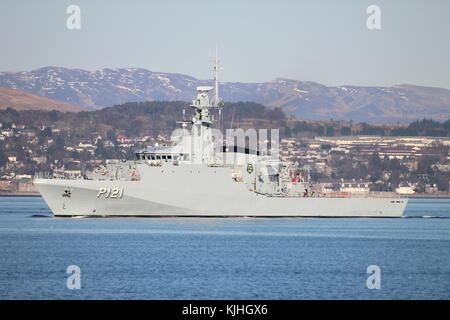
{"type": "Point", "coordinates": [326, 41]}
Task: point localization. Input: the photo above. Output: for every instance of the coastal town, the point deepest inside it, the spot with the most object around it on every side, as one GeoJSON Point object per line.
{"type": "Point", "coordinates": [367, 164]}
{"type": "Point", "coordinates": [410, 166]}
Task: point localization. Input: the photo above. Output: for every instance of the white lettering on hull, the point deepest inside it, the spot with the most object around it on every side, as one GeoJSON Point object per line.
{"type": "Point", "coordinates": [111, 193]}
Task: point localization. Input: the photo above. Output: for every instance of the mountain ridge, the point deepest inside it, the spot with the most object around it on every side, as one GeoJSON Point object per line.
{"type": "Point", "coordinates": [301, 99]}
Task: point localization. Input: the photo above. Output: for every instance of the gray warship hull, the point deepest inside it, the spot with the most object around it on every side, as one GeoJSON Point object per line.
{"type": "Point", "coordinates": [202, 174]}
{"type": "Point", "coordinates": [196, 191]}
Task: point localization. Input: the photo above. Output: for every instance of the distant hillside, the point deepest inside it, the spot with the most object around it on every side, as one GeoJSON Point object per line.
{"type": "Point", "coordinates": [159, 117]}
{"type": "Point", "coordinates": [400, 103]}
{"type": "Point", "coordinates": [20, 100]}
{"type": "Point", "coordinates": [301, 99]}
{"type": "Point", "coordinates": [142, 118]}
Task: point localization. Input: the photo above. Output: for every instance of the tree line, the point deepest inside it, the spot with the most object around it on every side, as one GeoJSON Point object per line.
{"type": "Point", "coordinates": [147, 118]}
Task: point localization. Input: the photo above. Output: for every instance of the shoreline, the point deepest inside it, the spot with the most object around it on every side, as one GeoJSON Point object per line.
{"type": "Point", "coordinates": [415, 196]}
{"type": "Point", "coordinates": [429, 196]}
{"type": "Point", "coordinates": [20, 194]}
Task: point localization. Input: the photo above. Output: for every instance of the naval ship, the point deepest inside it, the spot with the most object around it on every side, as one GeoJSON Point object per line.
{"type": "Point", "coordinates": [197, 176]}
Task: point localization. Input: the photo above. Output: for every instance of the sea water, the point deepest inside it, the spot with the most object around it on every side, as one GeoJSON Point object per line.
{"type": "Point", "coordinates": [223, 258]}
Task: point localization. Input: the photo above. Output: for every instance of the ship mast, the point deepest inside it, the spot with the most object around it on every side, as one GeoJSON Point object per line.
{"type": "Point", "coordinates": [202, 104]}
{"type": "Point", "coordinates": [216, 98]}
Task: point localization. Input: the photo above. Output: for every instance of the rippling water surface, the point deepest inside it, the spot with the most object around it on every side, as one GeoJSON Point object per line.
{"type": "Point", "coordinates": [223, 258]}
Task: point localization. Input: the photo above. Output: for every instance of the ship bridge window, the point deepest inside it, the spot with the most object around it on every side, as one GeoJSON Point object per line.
{"type": "Point", "coordinates": [158, 157]}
